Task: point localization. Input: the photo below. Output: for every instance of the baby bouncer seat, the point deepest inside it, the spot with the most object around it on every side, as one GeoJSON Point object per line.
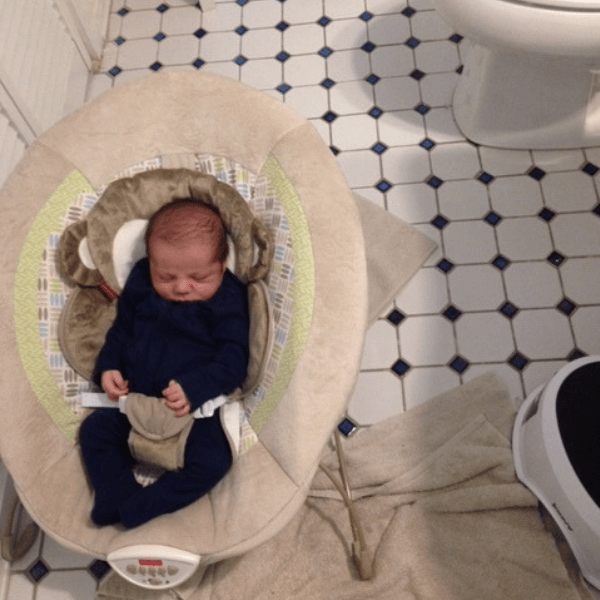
{"type": "Point", "coordinates": [300, 235]}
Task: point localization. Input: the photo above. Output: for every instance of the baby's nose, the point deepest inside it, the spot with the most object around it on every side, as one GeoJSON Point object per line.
{"type": "Point", "coordinates": [182, 287]}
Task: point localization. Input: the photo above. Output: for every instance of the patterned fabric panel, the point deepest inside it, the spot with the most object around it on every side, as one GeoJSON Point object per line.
{"type": "Point", "coordinates": [53, 291]}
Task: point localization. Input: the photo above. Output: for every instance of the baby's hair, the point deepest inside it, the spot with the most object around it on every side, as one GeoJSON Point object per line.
{"type": "Point", "coordinates": [186, 220]}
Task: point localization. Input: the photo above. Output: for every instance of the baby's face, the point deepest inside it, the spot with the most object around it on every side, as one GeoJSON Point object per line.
{"type": "Point", "coordinates": [185, 274]}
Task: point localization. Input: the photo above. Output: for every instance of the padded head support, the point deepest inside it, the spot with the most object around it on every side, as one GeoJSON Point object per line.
{"type": "Point", "coordinates": [89, 253]}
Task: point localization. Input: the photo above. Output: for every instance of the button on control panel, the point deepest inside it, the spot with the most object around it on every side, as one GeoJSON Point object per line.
{"type": "Point", "coordinates": [153, 566]}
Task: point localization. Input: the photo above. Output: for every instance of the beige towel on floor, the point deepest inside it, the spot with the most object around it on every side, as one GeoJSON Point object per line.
{"type": "Point", "coordinates": [437, 495]}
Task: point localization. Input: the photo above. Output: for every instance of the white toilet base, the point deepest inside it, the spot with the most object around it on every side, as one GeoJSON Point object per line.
{"type": "Point", "coordinates": [511, 100]}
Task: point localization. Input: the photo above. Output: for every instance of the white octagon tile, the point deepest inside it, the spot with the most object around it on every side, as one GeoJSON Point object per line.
{"type": "Point", "coordinates": [476, 287]}
{"type": "Point", "coordinates": [586, 325]}
{"type": "Point", "coordinates": [397, 93]}
{"type": "Point", "coordinates": [405, 164]}
{"type": "Point", "coordinates": [543, 334]}
{"type": "Point", "coordinates": [526, 238]}
{"type": "Point", "coordinates": [484, 337]}
{"type": "Point", "coordinates": [351, 97]}
{"type": "Point", "coordinates": [463, 200]}
{"type": "Point", "coordinates": [423, 384]}
{"type": "Point", "coordinates": [377, 396]}
{"type": "Point", "coordinates": [576, 234]}
{"type": "Point", "coordinates": [425, 293]}
{"type": "Point", "coordinates": [455, 161]}
{"type": "Point", "coordinates": [516, 196]}
{"type": "Point", "coordinates": [415, 203]}
{"type": "Point", "coordinates": [468, 242]}
{"type": "Point", "coordinates": [354, 132]}
{"type": "Point", "coordinates": [581, 278]}
{"type": "Point", "coordinates": [569, 191]}
{"type": "Point", "coordinates": [427, 340]}
{"type": "Point", "coordinates": [533, 284]}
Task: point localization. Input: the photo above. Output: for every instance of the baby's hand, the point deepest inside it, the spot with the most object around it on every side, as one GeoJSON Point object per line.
{"type": "Point", "coordinates": [176, 399]}
{"type": "Point", "coordinates": [114, 385]}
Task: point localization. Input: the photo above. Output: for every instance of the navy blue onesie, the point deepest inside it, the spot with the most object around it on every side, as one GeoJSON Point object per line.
{"type": "Point", "coordinates": [201, 345]}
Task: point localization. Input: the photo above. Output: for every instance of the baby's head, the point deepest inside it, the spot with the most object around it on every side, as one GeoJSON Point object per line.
{"type": "Point", "coordinates": [187, 247]}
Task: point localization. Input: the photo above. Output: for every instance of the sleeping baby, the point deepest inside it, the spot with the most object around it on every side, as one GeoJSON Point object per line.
{"type": "Point", "coordinates": [181, 333]}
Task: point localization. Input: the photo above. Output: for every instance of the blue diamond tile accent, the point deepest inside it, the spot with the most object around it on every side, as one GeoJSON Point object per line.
{"type": "Point", "coordinates": [325, 52]}
{"type": "Point", "coordinates": [459, 364]}
{"type": "Point", "coordinates": [452, 313]}
{"type": "Point", "coordinates": [375, 112]}
{"type": "Point", "coordinates": [501, 262]}
{"type": "Point", "coordinates": [546, 214]}
{"type": "Point", "coordinates": [38, 571]}
{"type": "Point", "coordinates": [372, 79]}
{"type": "Point", "coordinates": [493, 219]}
{"type": "Point", "coordinates": [445, 265]}
{"type": "Point", "coordinates": [157, 66]}
{"type": "Point", "coordinates": [162, 8]}
{"type": "Point", "coordinates": [240, 60]}
{"type": "Point", "coordinates": [596, 210]}
{"type": "Point", "coordinates": [485, 178]}
{"type": "Point", "coordinates": [282, 26]}
{"type": "Point", "coordinates": [123, 12]}
{"type": "Point", "coordinates": [324, 21]}
{"type": "Point", "coordinates": [347, 427]}
{"type": "Point", "coordinates": [400, 367]}
{"type": "Point", "coordinates": [115, 71]}
{"type": "Point", "coordinates": [379, 148]}
{"type": "Point", "coordinates": [536, 173]}
{"type": "Point", "coordinates": [120, 41]}
{"type": "Point", "coordinates": [590, 168]}
{"type": "Point", "coordinates": [417, 75]}
{"type": "Point", "coordinates": [198, 63]}
{"type": "Point", "coordinates": [242, 2]}
{"type": "Point", "coordinates": [566, 306]}
{"type": "Point", "coordinates": [408, 12]}
{"type": "Point", "coordinates": [335, 151]}
{"type": "Point", "coordinates": [327, 83]}
{"type": "Point", "coordinates": [200, 33]}
{"type": "Point", "coordinates": [284, 88]}
{"type": "Point", "coordinates": [241, 30]}
{"type": "Point", "coordinates": [282, 56]}
{"type": "Point", "coordinates": [368, 47]}
{"type": "Point", "coordinates": [330, 117]}
{"type": "Point", "coordinates": [160, 36]}
{"type": "Point", "coordinates": [412, 42]}
{"type": "Point", "coordinates": [439, 222]}
{"type": "Point", "coordinates": [556, 258]}
{"type": "Point", "coordinates": [427, 144]}
{"type": "Point", "coordinates": [518, 361]}
{"type": "Point", "coordinates": [366, 16]}
{"type": "Point", "coordinates": [395, 317]}
{"type": "Point", "coordinates": [99, 568]}
{"type": "Point", "coordinates": [435, 182]}
{"type": "Point", "coordinates": [509, 310]}
{"type": "Point", "coordinates": [575, 354]}
{"type": "Point", "coordinates": [422, 109]}
{"type": "Point", "coordinates": [456, 38]}
{"type": "Point", "coordinates": [384, 186]}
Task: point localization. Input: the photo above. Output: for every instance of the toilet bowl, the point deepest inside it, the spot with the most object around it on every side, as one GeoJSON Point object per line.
{"type": "Point", "coordinates": [531, 76]}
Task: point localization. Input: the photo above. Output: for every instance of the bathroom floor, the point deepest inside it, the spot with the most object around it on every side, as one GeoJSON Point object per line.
{"type": "Point", "coordinates": [514, 285]}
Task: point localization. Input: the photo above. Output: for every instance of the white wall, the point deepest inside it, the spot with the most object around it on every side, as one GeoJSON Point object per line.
{"type": "Point", "coordinates": [47, 50]}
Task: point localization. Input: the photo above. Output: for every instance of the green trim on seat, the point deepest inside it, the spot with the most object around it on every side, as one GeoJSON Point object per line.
{"type": "Point", "coordinates": [303, 290]}
{"type": "Point", "coordinates": [47, 222]}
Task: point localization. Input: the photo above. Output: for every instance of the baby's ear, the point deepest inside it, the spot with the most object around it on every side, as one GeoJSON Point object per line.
{"type": "Point", "coordinates": [74, 260]}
